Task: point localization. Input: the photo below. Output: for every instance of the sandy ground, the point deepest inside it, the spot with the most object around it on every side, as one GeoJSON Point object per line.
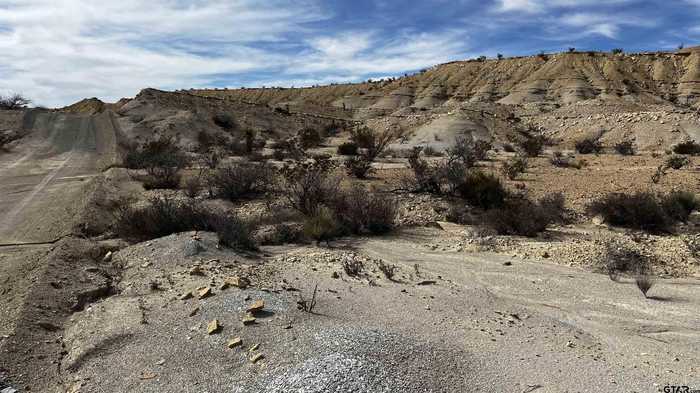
{"type": "Point", "coordinates": [482, 322]}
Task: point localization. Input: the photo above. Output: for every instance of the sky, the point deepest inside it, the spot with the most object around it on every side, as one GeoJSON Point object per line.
{"type": "Point", "coordinates": [57, 52]}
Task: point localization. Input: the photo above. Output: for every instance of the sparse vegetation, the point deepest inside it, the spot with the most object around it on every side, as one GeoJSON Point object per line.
{"type": "Point", "coordinates": [192, 186]}
{"type": "Point", "coordinates": [308, 185]}
{"type": "Point", "coordinates": [482, 190]}
{"type": "Point", "coordinates": [589, 145]}
{"type": "Point", "coordinates": [514, 167]}
{"type": "Point", "coordinates": [321, 226]}
{"type": "Point", "coordinates": [688, 148]}
{"type": "Point", "coordinates": [241, 180]}
{"type": "Point", "coordinates": [352, 267]}
{"type": "Point", "coordinates": [309, 138]}
{"type": "Point", "coordinates": [166, 215]}
{"type": "Point", "coordinates": [644, 210]}
{"type": "Point", "coordinates": [360, 211]}
{"type": "Point", "coordinates": [677, 162]}
{"type": "Point", "coordinates": [162, 159]}
{"type": "Point", "coordinates": [372, 144]}
{"type": "Point", "coordinates": [522, 217]}
{"type": "Point", "coordinates": [387, 269]}
{"type": "Point", "coordinates": [225, 121]}
{"type": "Point", "coordinates": [625, 148]}
{"type": "Point", "coordinates": [533, 145]}
{"type": "Point", "coordinates": [348, 149]}
{"type": "Point", "coordinates": [617, 51]}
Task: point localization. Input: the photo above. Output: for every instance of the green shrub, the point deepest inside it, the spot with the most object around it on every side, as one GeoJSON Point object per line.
{"type": "Point", "coordinates": [482, 190]}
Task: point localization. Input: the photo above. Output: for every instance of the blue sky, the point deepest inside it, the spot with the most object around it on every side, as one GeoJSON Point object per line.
{"type": "Point", "coordinates": [59, 51]}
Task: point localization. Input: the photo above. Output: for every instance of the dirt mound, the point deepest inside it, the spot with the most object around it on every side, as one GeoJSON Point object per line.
{"type": "Point", "coordinates": [649, 98]}
{"type": "Point", "coordinates": [185, 116]}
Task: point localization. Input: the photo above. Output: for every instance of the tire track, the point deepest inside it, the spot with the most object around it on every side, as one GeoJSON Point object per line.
{"type": "Point", "coordinates": [10, 219]}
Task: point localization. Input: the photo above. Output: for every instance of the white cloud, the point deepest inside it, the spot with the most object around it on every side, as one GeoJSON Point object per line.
{"type": "Point", "coordinates": [59, 51]}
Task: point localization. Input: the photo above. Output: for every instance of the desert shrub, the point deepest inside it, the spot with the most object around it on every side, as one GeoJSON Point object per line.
{"type": "Point", "coordinates": [362, 212]}
{"type": "Point", "coordinates": [309, 138]}
{"type": "Point", "coordinates": [644, 283]}
{"type": "Point", "coordinates": [363, 137]}
{"type": "Point", "coordinates": [688, 148]}
{"type": "Point", "coordinates": [162, 160]}
{"type": "Point", "coordinates": [590, 145]}
{"type": "Point", "coordinates": [617, 51]}
{"type": "Point", "coordinates": [372, 144]}
{"type": "Point", "coordinates": [352, 267]}
{"type": "Point", "coordinates": [358, 166]}
{"type": "Point", "coordinates": [514, 167]}
{"type": "Point", "coordinates": [424, 177]}
{"type": "Point", "coordinates": [468, 151]}
{"type": "Point", "coordinates": [225, 121]}
{"type": "Point", "coordinates": [677, 161]}
{"type": "Point", "coordinates": [678, 205]}
{"type": "Point", "coordinates": [348, 149]}
{"type": "Point", "coordinates": [321, 225]}
{"type": "Point", "coordinates": [331, 129]}
{"type": "Point", "coordinates": [533, 145]}
{"type": "Point", "coordinates": [241, 180]}
{"type": "Point", "coordinates": [166, 215]}
{"type": "Point", "coordinates": [641, 210]}
{"type": "Point", "coordinates": [232, 232]}
{"type": "Point", "coordinates": [192, 186]}
{"type": "Point", "coordinates": [211, 158]}
{"type": "Point", "coordinates": [308, 185]}
{"type": "Point", "coordinates": [5, 139]}
{"type": "Point", "coordinates": [283, 234]}
{"type": "Point", "coordinates": [625, 148]}
{"type": "Point", "coordinates": [430, 151]}
{"type": "Point", "coordinates": [622, 258]}
{"type": "Point", "coordinates": [14, 102]}
{"type": "Point", "coordinates": [388, 269]}
{"type": "Point", "coordinates": [522, 217]}
{"type": "Point", "coordinates": [482, 190]}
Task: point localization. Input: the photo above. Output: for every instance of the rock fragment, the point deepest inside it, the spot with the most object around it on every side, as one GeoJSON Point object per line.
{"type": "Point", "coordinates": [213, 327]}
{"type": "Point", "coordinates": [234, 342]}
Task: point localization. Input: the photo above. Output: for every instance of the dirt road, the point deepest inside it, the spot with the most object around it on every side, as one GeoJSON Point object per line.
{"type": "Point", "coordinates": [41, 179]}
